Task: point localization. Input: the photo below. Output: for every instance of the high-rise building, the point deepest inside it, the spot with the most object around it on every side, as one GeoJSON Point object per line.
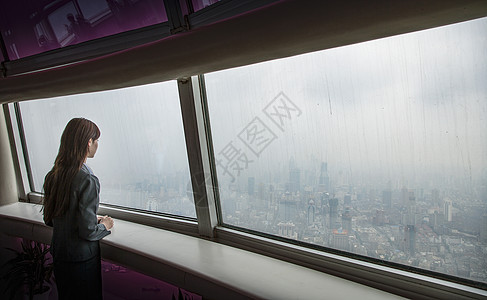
{"type": "Point", "coordinates": [404, 196]}
{"type": "Point", "coordinates": [411, 209]}
{"type": "Point", "coordinates": [287, 207]}
{"type": "Point", "coordinates": [483, 229]}
{"type": "Point", "coordinates": [387, 198]}
{"type": "Point", "coordinates": [347, 199]}
{"type": "Point", "coordinates": [333, 213]}
{"type": "Point", "coordinates": [340, 240]}
{"type": "Point", "coordinates": [435, 197]}
{"type": "Point", "coordinates": [311, 212]}
{"type": "Point", "coordinates": [447, 210]}
{"type": "Point", "coordinates": [288, 230]}
{"type": "Point", "coordinates": [410, 239]}
{"type": "Point", "coordinates": [294, 180]}
{"type": "Point", "coordinates": [324, 181]}
{"type": "Point", "coordinates": [347, 220]}
{"type": "Point", "coordinates": [379, 218]}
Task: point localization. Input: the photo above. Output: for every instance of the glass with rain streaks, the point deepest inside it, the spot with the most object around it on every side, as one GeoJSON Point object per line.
{"type": "Point", "coordinates": [377, 149]}
{"type": "Point", "coordinates": [141, 160]}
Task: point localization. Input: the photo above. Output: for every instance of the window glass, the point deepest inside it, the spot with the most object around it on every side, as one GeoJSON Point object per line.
{"type": "Point", "coordinates": [31, 27]}
{"type": "Point", "coordinates": [378, 149]}
{"type": "Point", "coordinates": [141, 161]}
{"type": "Point", "coordinates": [200, 4]}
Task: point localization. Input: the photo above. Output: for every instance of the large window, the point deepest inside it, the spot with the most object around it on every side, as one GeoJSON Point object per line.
{"type": "Point", "coordinates": [377, 149]}
{"type": "Point", "coordinates": [141, 161]}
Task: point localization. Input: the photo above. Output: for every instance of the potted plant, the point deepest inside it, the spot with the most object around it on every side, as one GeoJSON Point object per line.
{"type": "Point", "coordinates": [30, 268]}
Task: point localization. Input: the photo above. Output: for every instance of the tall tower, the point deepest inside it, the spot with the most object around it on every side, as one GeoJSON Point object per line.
{"type": "Point", "coordinates": [324, 181]}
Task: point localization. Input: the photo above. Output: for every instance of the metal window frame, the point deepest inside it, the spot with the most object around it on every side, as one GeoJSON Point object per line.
{"type": "Point", "coordinates": [191, 94]}
{"type": "Point", "coordinates": [17, 153]}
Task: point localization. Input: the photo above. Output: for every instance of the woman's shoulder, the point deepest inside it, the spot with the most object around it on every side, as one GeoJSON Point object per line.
{"type": "Point", "coordinates": [85, 174]}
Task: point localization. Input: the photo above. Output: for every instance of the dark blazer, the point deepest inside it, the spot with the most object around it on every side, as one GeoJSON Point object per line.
{"type": "Point", "coordinates": [76, 234]}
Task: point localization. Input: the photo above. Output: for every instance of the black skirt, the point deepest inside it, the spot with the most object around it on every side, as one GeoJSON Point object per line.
{"type": "Point", "coordinates": [79, 280]}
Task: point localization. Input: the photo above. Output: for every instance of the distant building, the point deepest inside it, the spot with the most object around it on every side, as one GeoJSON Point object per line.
{"type": "Point", "coordinates": [287, 208]}
{"type": "Point", "coordinates": [347, 220]}
{"type": "Point", "coordinates": [324, 181]}
{"type": "Point", "coordinates": [387, 198]}
{"type": "Point", "coordinates": [379, 218]}
{"type": "Point", "coordinates": [294, 180]}
{"type": "Point", "coordinates": [410, 239]}
{"type": "Point", "coordinates": [311, 212]}
{"type": "Point", "coordinates": [447, 210]}
{"type": "Point", "coordinates": [288, 230]}
{"type": "Point", "coordinates": [340, 240]}
{"type": "Point", "coordinates": [483, 229]}
{"type": "Point", "coordinates": [333, 217]}
{"type": "Point", "coordinates": [404, 196]}
{"type": "Point", "coordinates": [435, 197]}
{"type": "Point", "coordinates": [347, 199]}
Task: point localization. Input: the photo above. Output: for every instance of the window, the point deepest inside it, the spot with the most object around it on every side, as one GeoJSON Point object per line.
{"type": "Point", "coordinates": [141, 161]}
{"type": "Point", "coordinates": [376, 149]}
{"type": "Point", "coordinates": [32, 28]}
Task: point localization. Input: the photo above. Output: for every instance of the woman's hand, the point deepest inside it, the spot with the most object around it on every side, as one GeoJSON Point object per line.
{"type": "Point", "coordinates": [107, 221]}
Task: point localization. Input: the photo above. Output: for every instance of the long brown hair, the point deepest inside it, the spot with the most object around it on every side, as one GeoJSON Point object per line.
{"type": "Point", "coordinates": [73, 151]}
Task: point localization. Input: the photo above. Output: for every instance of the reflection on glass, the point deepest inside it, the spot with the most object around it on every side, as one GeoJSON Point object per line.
{"type": "Point", "coordinates": [141, 161]}
{"type": "Point", "coordinates": [377, 149]}
{"type": "Point", "coordinates": [200, 4]}
{"type": "Point", "coordinates": [30, 27]}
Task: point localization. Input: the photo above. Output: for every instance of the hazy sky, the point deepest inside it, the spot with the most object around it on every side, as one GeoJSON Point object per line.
{"type": "Point", "coordinates": [406, 108]}
{"type": "Point", "coordinates": [403, 107]}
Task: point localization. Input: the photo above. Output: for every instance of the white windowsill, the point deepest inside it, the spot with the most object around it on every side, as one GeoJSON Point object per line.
{"type": "Point", "coordinates": [204, 267]}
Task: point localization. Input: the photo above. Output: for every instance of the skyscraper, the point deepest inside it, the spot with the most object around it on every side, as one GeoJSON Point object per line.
{"type": "Point", "coordinates": [387, 198]}
{"type": "Point", "coordinates": [311, 212]}
{"type": "Point", "coordinates": [404, 196]}
{"type": "Point", "coordinates": [447, 210]}
{"type": "Point", "coordinates": [333, 213]}
{"type": "Point", "coordinates": [294, 180]}
{"type": "Point", "coordinates": [410, 239]}
{"type": "Point", "coordinates": [324, 181]}
{"type": "Point", "coordinates": [483, 229]}
{"type": "Point", "coordinates": [347, 220]}
{"type": "Point", "coordinates": [287, 208]}
{"type": "Point", "coordinates": [347, 199]}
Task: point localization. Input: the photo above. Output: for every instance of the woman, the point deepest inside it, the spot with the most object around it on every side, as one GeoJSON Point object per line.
{"type": "Point", "coordinates": [71, 198]}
